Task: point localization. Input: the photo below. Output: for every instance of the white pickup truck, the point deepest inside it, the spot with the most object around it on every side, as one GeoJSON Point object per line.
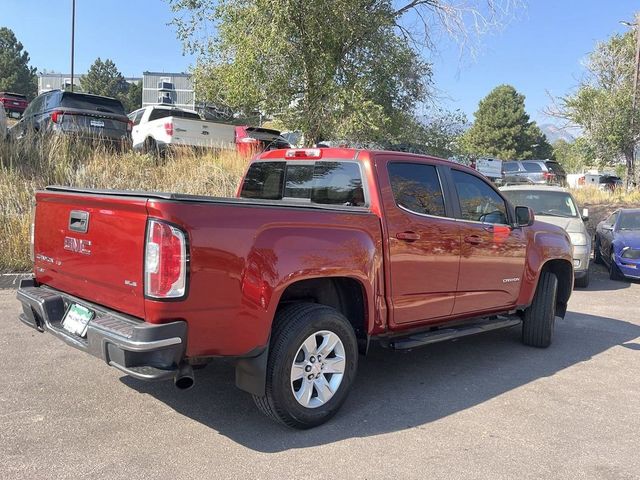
{"type": "Point", "coordinates": [157, 127]}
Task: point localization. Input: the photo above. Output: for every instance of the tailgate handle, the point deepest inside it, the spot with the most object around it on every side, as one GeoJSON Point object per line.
{"type": "Point", "coordinates": [79, 221]}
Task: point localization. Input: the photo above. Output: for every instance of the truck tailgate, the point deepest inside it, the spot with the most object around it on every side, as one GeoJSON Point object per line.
{"type": "Point", "coordinates": [91, 246]}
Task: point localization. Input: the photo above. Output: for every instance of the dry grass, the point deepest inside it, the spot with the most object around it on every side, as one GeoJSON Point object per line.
{"type": "Point", "coordinates": [594, 196]}
{"type": "Point", "coordinates": [33, 163]}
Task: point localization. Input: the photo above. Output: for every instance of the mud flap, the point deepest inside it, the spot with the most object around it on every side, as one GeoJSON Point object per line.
{"type": "Point", "coordinates": [251, 373]}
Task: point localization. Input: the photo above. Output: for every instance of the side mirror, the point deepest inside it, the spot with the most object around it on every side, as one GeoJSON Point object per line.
{"type": "Point", "coordinates": [524, 216]}
{"type": "Point", "coordinates": [585, 214]}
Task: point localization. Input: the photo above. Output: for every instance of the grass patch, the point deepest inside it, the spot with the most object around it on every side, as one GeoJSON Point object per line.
{"type": "Point", "coordinates": [35, 162]}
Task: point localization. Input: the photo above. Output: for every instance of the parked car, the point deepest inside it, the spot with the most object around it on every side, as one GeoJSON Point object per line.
{"type": "Point", "coordinates": [617, 244]}
{"type": "Point", "coordinates": [79, 114]}
{"type": "Point", "coordinates": [14, 104]}
{"type": "Point", "coordinates": [609, 182]}
{"type": "Point", "coordinates": [3, 124]}
{"type": "Point", "coordinates": [158, 127]}
{"type": "Point", "coordinates": [557, 206]}
{"type": "Point", "coordinates": [324, 252]}
{"type": "Point", "coordinates": [542, 172]}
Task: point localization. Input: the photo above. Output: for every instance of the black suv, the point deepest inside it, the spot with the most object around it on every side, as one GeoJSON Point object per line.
{"type": "Point", "coordinates": [86, 116]}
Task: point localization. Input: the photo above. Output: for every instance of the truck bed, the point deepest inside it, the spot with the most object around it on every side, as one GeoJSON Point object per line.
{"type": "Point", "coordinates": [242, 256]}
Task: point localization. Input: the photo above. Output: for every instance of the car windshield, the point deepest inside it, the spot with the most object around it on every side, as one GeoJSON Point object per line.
{"type": "Point", "coordinates": [556, 204]}
{"type": "Point", "coordinates": [629, 221]}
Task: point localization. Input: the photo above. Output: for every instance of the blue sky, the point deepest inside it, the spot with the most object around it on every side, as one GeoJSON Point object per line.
{"type": "Point", "coordinates": [537, 52]}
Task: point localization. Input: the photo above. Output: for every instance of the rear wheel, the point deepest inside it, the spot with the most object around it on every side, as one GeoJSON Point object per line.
{"type": "Point", "coordinates": [312, 362]}
{"type": "Point", "coordinates": [150, 146]}
{"type": "Point", "coordinates": [539, 319]}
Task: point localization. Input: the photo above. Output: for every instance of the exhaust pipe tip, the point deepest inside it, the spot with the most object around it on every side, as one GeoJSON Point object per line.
{"type": "Point", "coordinates": [184, 379]}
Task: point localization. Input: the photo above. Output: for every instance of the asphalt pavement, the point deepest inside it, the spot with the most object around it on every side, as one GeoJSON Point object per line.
{"type": "Point", "coordinates": [482, 407]}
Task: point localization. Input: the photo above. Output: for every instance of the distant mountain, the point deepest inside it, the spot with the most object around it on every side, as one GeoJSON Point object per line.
{"type": "Point", "coordinates": [555, 133]}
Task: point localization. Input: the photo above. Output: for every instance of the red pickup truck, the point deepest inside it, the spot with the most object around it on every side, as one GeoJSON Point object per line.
{"type": "Point", "coordinates": [323, 252]}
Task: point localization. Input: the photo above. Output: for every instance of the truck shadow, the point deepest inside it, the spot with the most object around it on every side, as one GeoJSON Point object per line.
{"type": "Point", "coordinates": [395, 391]}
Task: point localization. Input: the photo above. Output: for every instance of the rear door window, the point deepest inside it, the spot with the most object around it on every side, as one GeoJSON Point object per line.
{"type": "Point", "coordinates": [416, 187]}
{"type": "Point", "coordinates": [322, 182]}
{"type": "Point", "coordinates": [510, 167]}
{"type": "Point", "coordinates": [478, 201]}
{"type": "Point", "coordinates": [532, 166]}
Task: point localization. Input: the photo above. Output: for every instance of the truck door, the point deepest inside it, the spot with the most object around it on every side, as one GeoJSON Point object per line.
{"type": "Point", "coordinates": [492, 253]}
{"type": "Point", "coordinates": [423, 241]}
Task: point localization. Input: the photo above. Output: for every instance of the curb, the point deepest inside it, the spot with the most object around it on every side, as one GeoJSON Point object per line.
{"type": "Point", "coordinates": [12, 280]}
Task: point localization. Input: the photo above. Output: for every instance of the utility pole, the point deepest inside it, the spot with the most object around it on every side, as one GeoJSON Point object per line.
{"type": "Point", "coordinates": [73, 36]}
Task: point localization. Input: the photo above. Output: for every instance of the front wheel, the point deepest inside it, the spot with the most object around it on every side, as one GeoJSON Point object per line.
{"type": "Point", "coordinates": [312, 363]}
{"type": "Point", "coordinates": [614, 271]}
{"type": "Point", "coordinates": [539, 318]}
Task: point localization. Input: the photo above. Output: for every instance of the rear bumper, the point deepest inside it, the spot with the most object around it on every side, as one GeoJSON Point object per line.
{"type": "Point", "coordinates": [142, 350]}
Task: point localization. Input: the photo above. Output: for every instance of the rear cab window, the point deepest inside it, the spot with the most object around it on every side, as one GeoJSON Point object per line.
{"type": "Point", "coordinates": [323, 182]}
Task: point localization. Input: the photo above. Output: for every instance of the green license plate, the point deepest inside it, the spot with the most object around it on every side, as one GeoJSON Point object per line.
{"type": "Point", "coordinates": [76, 320]}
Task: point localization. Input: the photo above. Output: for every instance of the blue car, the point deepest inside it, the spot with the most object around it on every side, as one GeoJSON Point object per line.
{"type": "Point", "coordinates": [617, 244]}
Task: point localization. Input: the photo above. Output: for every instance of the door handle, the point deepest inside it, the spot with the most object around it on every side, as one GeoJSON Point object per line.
{"type": "Point", "coordinates": [473, 239]}
{"type": "Point", "coordinates": [408, 236]}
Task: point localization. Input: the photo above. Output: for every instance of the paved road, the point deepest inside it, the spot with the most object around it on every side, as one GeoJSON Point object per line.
{"type": "Point", "coordinates": [481, 407]}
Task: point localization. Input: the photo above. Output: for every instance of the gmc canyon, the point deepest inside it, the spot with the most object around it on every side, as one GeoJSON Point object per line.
{"type": "Point", "coordinates": [323, 252]}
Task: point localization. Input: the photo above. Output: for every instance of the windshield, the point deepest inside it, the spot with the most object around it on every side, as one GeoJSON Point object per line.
{"type": "Point", "coordinates": [556, 204]}
{"type": "Point", "coordinates": [629, 221]}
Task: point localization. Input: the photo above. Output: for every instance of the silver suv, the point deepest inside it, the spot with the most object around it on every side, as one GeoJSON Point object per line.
{"type": "Point", "coordinates": [557, 206]}
{"type": "Point", "coordinates": [539, 172]}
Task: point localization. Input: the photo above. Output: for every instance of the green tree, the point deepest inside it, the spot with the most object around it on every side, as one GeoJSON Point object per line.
{"type": "Point", "coordinates": [502, 129]}
{"type": "Point", "coordinates": [602, 104]}
{"type": "Point", "coordinates": [574, 157]}
{"type": "Point", "coordinates": [15, 73]}
{"type": "Point", "coordinates": [133, 98]}
{"type": "Point", "coordinates": [332, 69]}
{"type": "Point", "coordinates": [104, 78]}
{"type": "Point", "coordinates": [442, 133]}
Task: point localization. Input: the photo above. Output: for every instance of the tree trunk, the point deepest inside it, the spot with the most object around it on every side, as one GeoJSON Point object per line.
{"type": "Point", "coordinates": [629, 157]}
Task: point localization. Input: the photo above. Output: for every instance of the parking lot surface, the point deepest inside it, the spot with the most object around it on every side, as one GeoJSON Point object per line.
{"type": "Point", "coordinates": [481, 407]}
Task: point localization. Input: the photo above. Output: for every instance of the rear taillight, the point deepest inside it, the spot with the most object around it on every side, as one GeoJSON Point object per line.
{"type": "Point", "coordinates": [168, 128]}
{"type": "Point", "coordinates": [548, 175]}
{"type": "Point", "coordinates": [165, 265]}
{"type": "Point", "coordinates": [32, 235]}
{"type": "Point", "coordinates": [56, 116]}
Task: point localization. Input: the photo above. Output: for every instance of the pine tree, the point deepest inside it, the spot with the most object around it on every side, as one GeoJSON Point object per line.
{"type": "Point", "coordinates": [15, 73]}
{"type": "Point", "coordinates": [502, 129]}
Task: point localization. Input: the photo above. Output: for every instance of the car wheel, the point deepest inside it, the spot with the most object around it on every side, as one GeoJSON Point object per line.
{"type": "Point", "coordinates": [313, 357]}
{"type": "Point", "coordinates": [583, 282]}
{"type": "Point", "coordinates": [597, 256]}
{"type": "Point", "coordinates": [614, 271]}
{"type": "Point", "coordinates": [150, 146]}
{"type": "Point", "coordinates": [539, 318]}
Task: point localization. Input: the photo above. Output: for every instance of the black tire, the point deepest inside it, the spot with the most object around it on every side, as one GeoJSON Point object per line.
{"type": "Point", "coordinates": [539, 318]}
{"type": "Point", "coordinates": [582, 282]}
{"type": "Point", "coordinates": [597, 256]}
{"type": "Point", "coordinates": [151, 147]}
{"type": "Point", "coordinates": [293, 325]}
{"type": "Point", "coordinates": [614, 271]}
